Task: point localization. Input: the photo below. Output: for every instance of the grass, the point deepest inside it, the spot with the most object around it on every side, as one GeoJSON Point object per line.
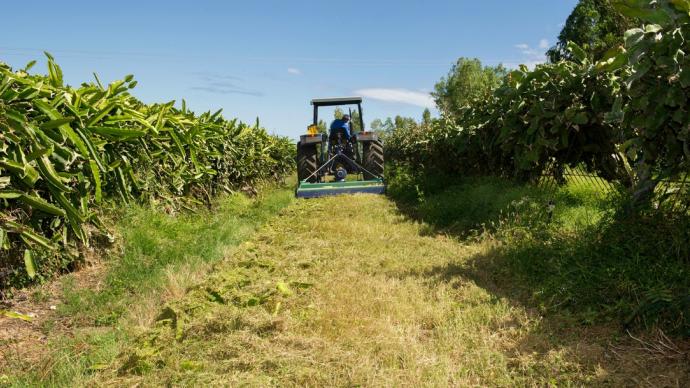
{"type": "Point", "coordinates": [160, 248]}
{"type": "Point", "coordinates": [473, 283]}
{"type": "Point", "coordinates": [159, 256]}
{"type": "Point", "coordinates": [465, 206]}
{"type": "Point", "coordinates": [352, 305]}
{"type": "Point", "coordinates": [589, 258]}
{"type": "Point", "coordinates": [378, 300]}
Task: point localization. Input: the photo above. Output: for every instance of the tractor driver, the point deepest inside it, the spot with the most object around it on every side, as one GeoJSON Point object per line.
{"type": "Point", "coordinates": [342, 124]}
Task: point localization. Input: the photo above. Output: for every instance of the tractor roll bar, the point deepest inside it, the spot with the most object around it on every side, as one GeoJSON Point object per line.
{"type": "Point", "coordinates": [317, 102]}
{"type": "Point", "coordinates": [336, 101]}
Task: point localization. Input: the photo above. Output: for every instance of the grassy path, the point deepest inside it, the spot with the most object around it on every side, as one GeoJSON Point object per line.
{"type": "Point", "coordinates": [363, 296]}
{"type": "Point", "coordinates": [340, 291]}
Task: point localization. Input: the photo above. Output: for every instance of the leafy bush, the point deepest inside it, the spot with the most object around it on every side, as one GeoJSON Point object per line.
{"type": "Point", "coordinates": [656, 113]}
{"type": "Point", "coordinates": [65, 150]}
{"type": "Point", "coordinates": [624, 117]}
{"type": "Point", "coordinates": [549, 118]}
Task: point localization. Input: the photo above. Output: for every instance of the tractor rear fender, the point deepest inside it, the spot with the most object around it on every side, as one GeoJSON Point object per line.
{"type": "Point", "coordinates": [312, 139]}
{"type": "Point", "coordinates": [366, 136]}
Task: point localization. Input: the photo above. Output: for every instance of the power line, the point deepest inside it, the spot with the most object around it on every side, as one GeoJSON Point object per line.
{"type": "Point", "coordinates": [17, 51]}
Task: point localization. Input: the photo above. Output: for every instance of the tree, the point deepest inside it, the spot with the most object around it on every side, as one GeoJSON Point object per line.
{"type": "Point", "coordinates": [379, 127]}
{"type": "Point", "coordinates": [388, 125]}
{"type": "Point", "coordinates": [594, 25]}
{"type": "Point", "coordinates": [404, 123]}
{"type": "Point", "coordinates": [354, 122]}
{"type": "Point", "coordinates": [338, 113]}
{"type": "Point", "coordinates": [466, 81]}
{"type": "Point", "coordinates": [426, 117]}
{"type": "Point", "coordinates": [376, 125]}
{"type": "Point", "coordinates": [384, 128]}
{"type": "Point", "coordinates": [323, 127]}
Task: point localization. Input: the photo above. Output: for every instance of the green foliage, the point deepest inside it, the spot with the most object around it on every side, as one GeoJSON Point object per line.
{"type": "Point", "coordinates": [398, 124]}
{"type": "Point", "coordinates": [338, 113]}
{"type": "Point", "coordinates": [65, 150]}
{"type": "Point", "coordinates": [355, 124]}
{"type": "Point", "coordinates": [623, 117]}
{"type": "Point", "coordinates": [382, 128]}
{"type": "Point", "coordinates": [545, 119]}
{"type": "Point", "coordinates": [594, 25]}
{"type": "Point", "coordinates": [467, 81]}
{"type": "Point", "coordinates": [404, 123]}
{"type": "Point", "coordinates": [322, 126]}
{"type": "Point", "coordinates": [376, 125]}
{"type": "Point", "coordinates": [656, 114]}
{"type": "Point", "coordinates": [426, 117]}
{"type": "Point", "coordinates": [555, 116]}
{"type": "Point", "coordinates": [662, 12]}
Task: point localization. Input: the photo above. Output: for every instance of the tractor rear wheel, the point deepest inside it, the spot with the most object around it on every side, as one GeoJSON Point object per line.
{"type": "Point", "coordinates": [307, 162]}
{"type": "Point", "coordinates": [372, 156]}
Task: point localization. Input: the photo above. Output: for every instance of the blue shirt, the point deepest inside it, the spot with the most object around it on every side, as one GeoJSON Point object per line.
{"type": "Point", "coordinates": [340, 123]}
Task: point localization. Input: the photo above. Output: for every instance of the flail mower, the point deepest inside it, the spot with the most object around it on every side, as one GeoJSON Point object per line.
{"type": "Point", "coordinates": [337, 165]}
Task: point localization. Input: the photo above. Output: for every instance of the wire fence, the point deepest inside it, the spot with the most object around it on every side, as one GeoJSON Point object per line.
{"type": "Point", "coordinates": [578, 177]}
{"type": "Point", "coordinates": [674, 194]}
{"type": "Point", "coordinates": [669, 194]}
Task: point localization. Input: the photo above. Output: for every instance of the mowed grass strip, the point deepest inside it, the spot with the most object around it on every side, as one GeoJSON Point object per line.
{"type": "Point", "coordinates": [346, 291]}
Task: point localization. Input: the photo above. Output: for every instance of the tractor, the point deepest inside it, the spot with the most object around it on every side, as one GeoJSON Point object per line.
{"type": "Point", "coordinates": [337, 165]}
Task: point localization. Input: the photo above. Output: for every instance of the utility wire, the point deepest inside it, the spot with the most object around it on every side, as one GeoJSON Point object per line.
{"type": "Point", "coordinates": [18, 51]}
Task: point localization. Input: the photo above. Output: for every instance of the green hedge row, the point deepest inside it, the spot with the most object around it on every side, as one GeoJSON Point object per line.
{"type": "Point", "coordinates": [625, 117]}
{"type": "Point", "coordinates": [64, 150]}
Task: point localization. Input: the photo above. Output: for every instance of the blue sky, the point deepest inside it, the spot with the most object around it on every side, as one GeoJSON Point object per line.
{"type": "Point", "coordinates": [270, 58]}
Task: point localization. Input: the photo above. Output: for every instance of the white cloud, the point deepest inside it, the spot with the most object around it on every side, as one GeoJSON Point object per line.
{"type": "Point", "coordinates": [544, 44]}
{"type": "Point", "coordinates": [530, 64]}
{"type": "Point", "coordinates": [531, 56]}
{"type": "Point", "coordinates": [404, 96]}
{"type": "Point", "coordinates": [294, 71]}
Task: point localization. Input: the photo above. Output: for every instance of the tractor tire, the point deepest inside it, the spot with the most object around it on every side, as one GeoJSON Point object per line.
{"type": "Point", "coordinates": [372, 158]}
{"type": "Point", "coordinates": [307, 162]}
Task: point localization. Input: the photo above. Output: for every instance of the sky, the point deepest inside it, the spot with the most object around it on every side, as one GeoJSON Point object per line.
{"type": "Point", "coordinates": [268, 59]}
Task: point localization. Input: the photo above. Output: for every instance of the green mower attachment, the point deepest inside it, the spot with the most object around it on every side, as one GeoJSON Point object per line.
{"type": "Point", "coordinates": [315, 190]}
